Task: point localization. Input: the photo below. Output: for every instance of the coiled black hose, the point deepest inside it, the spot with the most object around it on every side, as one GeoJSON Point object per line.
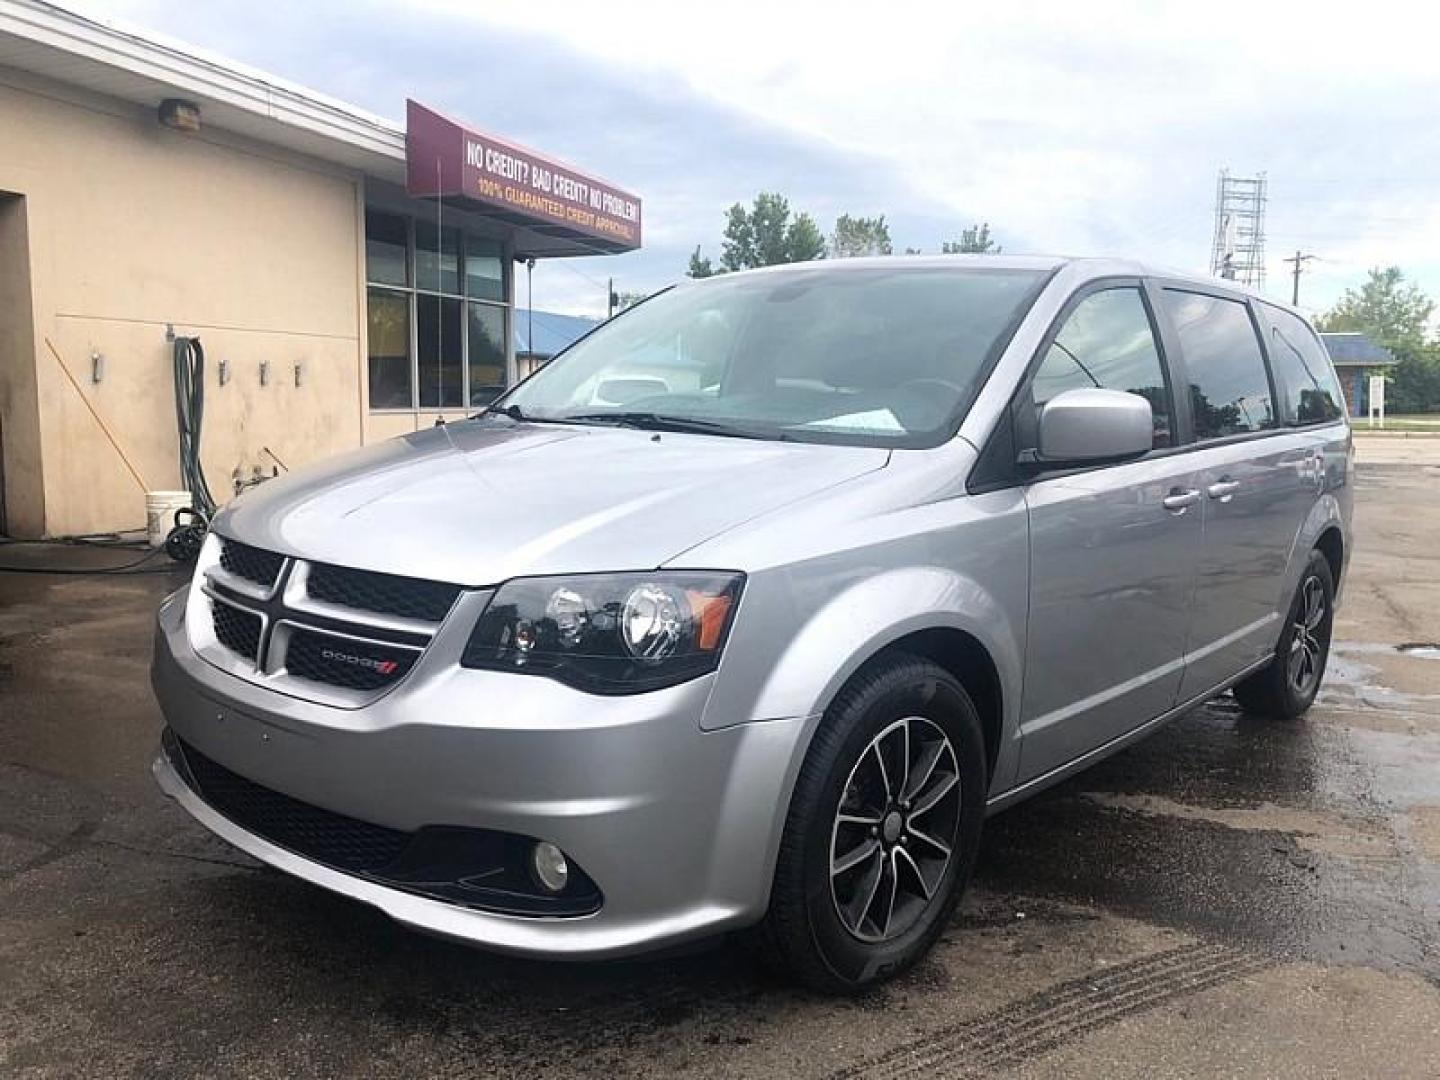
{"type": "Point", "coordinates": [189, 417]}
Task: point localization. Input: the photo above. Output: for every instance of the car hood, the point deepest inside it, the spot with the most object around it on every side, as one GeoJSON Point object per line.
{"type": "Point", "coordinates": [480, 501]}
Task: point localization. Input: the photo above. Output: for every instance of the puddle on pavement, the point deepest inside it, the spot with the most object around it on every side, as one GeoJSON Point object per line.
{"type": "Point", "coordinates": [1357, 671]}
{"type": "Point", "coordinates": [1280, 834]}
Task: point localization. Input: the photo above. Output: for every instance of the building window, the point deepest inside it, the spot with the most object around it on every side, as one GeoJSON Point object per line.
{"type": "Point", "coordinates": [440, 351]}
{"type": "Point", "coordinates": [388, 319]}
{"type": "Point", "coordinates": [487, 353]}
{"type": "Point", "coordinates": [436, 313]}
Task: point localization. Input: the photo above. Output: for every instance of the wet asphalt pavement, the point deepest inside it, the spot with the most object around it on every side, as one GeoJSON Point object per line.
{"type": "Point", "coordinates": [1231, 896]}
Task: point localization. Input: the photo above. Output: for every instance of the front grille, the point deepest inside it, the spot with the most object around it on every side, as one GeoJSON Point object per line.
{"type": "Point", "coordinates": [319, 642]}
{"type": "Point", "coordinates": [329, 838]}
{"type": "Point", "coordinates": [237, 630]}
{"type": "Point", "coordinates": [252, 564]}
{"type": "Point", "coordinates": [387, 594]}
{"type": "Point", "coordinates": [337, 661]}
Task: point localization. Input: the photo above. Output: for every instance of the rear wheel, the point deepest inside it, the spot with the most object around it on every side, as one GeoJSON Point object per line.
{"type": "Point", "coordinates": [883, 828]}
{"type": "Point", "coordinates": [1286, 687]}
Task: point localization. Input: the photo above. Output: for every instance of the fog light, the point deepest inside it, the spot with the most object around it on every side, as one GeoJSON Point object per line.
{"type": "Point", "coordinates": [548, 862]}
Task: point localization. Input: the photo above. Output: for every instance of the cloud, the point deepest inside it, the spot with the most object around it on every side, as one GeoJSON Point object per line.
{"type": "Point", "coordinates": [687, 155]}
{"type": "Point", "coordinates": [1078, 128]}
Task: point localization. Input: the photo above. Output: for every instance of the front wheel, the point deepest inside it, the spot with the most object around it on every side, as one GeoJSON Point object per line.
{"type": "Point", "coordinates": [883, 828]}
{"type": "Point", "coordinates": [1286, 687]}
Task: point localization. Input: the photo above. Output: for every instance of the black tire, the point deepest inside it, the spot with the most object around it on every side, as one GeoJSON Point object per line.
{"type": "Point", "coordinates": [1304, 647]}
{"type": "Point", "coordinates": [807, 933]}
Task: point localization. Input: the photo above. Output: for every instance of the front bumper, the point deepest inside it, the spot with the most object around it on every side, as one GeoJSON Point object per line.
{"type": "Point", "coordinates": [679, 827]}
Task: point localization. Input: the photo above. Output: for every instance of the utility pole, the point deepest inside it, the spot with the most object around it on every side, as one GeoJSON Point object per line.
{"type": "Point", "coordinates": [610, 300]}
{"type": "Point", "coordinates": [1299, 260]}
{"type": "Point", "coordinates": [530, 306]}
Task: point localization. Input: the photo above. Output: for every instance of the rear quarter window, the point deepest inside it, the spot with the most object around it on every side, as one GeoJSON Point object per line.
{"type": "Point", "coordinates": [1309, 391]}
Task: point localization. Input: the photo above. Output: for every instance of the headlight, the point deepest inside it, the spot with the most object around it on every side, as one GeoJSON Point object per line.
{"type": "Point", "coordinates": [608, 633]}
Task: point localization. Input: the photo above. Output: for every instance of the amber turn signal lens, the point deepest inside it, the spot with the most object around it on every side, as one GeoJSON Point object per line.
{"type": "Point", "coordinates": [709, 613]}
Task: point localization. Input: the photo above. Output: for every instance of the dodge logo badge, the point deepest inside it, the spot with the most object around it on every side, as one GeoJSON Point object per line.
{"type": "Point", "coordinates": [384, 667]}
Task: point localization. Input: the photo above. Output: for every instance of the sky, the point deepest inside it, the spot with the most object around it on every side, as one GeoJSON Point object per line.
{"type": "Point", "coordinates": [1081, 128]}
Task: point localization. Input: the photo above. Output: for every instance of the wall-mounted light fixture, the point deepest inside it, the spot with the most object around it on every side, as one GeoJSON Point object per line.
{"type": "Point", "coordinates": [222, 370]}
{"type": "Point", "coordinates": [299, 372]}
{"type": "Point", "coordinates": [180, 115]}
{"type": "Point", "coordinates": [264, 372]}
{"type": "Point", "coordinates": [97, 366]}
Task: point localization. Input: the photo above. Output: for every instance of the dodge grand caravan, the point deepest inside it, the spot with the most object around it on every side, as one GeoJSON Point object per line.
{"type": "Point", "coordinates": [747, 610]}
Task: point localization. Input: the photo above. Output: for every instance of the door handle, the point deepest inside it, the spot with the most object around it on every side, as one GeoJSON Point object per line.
{"type": "Point", "coordinates": [1223, 489]}
{"type": "Point", "coordinates": [1180, 499]}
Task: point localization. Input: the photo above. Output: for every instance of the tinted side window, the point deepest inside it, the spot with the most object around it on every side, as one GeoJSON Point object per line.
{"type": "Point", "coordinates": [1309, 391]}
{"type": "Point", "coordinates": [1229, 391]}
{"type": "Point", "coordinates": [1107, 341]}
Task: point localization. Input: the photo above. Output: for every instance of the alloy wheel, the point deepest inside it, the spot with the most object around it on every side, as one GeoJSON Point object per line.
{"type": "Point", "coordinates": [1307, 640]}
{"type": "Point", "coordinates": [895, 828]}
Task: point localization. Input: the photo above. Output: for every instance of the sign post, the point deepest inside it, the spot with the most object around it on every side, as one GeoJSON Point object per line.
{"type": "Point", "coordinates": [1376, 399]}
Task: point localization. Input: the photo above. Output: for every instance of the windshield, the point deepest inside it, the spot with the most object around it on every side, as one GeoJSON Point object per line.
{"type": "Point", "coordinates": [885, 356]}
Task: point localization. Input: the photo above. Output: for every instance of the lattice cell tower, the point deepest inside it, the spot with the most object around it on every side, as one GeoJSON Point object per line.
{"type": "Point", "coordinates": [1238, 251]}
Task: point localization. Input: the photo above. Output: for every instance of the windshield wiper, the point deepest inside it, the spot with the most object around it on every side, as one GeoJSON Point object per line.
{"type": "Point", "coordinates": [651, 421]}
{"type": "Point", "coordinates": [514, 412]}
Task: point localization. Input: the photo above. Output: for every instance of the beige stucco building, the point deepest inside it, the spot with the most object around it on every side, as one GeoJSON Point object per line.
{"type": "Point", "coordinates": [338, 299]}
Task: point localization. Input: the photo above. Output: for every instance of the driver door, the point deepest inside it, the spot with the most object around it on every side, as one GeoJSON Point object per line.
{"type": "Point", "coordinates": [1113, 548]}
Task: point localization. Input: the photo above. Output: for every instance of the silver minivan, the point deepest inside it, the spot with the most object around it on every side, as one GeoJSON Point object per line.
{"type": "Point", "coordinates": [746, 611]}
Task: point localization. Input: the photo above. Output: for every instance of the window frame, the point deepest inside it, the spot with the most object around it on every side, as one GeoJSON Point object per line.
{"type": "Point", "coordinates": [1181, 369]}
{"type": "Point", "coordinates": [412, 291]}
{"type": "Point", "coordinates": [999, 464]}
{"type": "Point", "coordinates": [1299, 425]}
{"type": "Point", "coordinates": [1052, 335]}
{"type": "Point", "coordinates": [948, 432]}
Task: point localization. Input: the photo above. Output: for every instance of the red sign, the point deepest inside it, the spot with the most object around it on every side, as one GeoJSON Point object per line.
{"type": "Point", "coordinates": [447, 159]}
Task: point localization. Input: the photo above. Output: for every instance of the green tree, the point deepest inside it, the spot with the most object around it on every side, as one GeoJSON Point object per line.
{"type": "Point", "coordinates": [973, 241]}
{"type": "Point", "coordinates": [1414, 383]}
{"type": "Point", "coordinates": [700, 265]}
{"type": "Point", "coordinates": [1387, 307]}
{"type": "Point", "coordinates": [1396, 314]}
{"type": "Point", "coordinates": [764, 235]}
{"type": "Point", "coordinates": [767, 234]}
{"type": "Point", "coordinates": [855, 236]}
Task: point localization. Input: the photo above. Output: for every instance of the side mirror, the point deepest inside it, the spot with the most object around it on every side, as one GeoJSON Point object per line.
{"type": "Point", "coordinates": [1090, 425]}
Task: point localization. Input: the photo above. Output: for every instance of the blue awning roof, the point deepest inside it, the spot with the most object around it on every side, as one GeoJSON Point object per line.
{"type": "Point", "coordinates": [1356, 349]}
{"type": "Point", "coordinates": [553, 331]}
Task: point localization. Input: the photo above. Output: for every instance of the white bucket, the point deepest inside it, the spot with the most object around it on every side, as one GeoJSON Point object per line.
{"type": "Point", "coordinates": [160, 507]}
